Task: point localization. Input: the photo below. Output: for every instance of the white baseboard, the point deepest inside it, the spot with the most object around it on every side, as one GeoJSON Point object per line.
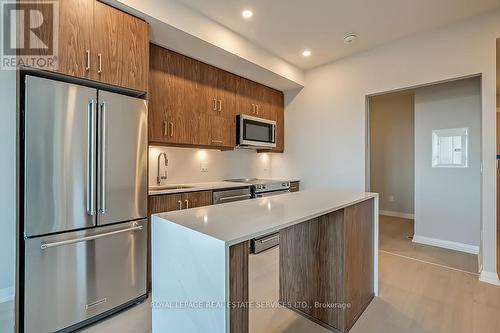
{"type": "Point", "coordinates": [489, 277]}
{"type": "Point", "coordinates": [397, 214]}
{"type": "Point", "coordinates": [6, 294]}
{"type": "Point", "coordinates": [446, 244]}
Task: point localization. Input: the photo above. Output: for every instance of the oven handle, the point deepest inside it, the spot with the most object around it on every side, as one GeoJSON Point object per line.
{"type": "Point", "coordinates": [268, 239]}
{"type": "Point", "coordinates": [242, 196]}
{"type": "Point", "coordinates": [89, 238]}
{"type": "Point", "coordinates": [270, 194]}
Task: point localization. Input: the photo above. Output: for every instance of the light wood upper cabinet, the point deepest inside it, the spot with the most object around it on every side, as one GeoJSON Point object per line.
{"type": "Point", "coordinates": [76, 30]}
{"type": "Point", "coordinates": [121, 44]}
{"type": "Point", "coordinates": [101, 43]}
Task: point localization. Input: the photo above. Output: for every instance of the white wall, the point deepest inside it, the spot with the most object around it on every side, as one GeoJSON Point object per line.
{"type": "Point", "coordinates": [392, 150]}
{"type": "Point", "coordinates": [7, 183]}
{"type": "Point", "coordinates": [325, 124]}
{"type": "Point", "coordinates": [184, 165]}
{"type": "Point", "coordinates": [448, 200]}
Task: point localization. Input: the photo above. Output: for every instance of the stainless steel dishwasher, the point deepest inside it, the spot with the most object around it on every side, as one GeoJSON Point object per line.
{"type": "Point", "coordinates": [231, 195]}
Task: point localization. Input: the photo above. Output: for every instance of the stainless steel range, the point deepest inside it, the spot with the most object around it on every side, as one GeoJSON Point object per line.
{"type": "Point", "coordinates": [265, 188]}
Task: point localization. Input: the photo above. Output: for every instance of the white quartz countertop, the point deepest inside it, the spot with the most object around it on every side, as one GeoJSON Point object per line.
{"type": "Point", "coordinates": [239, 221]}
{"type": "Point", "coordinates": [193, 187]}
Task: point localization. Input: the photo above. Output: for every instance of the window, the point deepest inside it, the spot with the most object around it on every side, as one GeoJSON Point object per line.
{"type": "Point", "coordinates": [449, 148]}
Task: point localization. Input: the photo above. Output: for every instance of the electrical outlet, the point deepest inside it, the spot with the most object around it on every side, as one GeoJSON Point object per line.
{"type": "Point", "coordinates": [204, 167]}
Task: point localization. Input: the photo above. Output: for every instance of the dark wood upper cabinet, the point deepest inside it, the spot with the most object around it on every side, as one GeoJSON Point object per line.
{"type": "Point", "coordinates": [102, 43]}
{"type": "Point", "coordinates": [194, 104]}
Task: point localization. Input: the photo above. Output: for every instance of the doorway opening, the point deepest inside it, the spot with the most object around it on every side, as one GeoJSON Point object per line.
{"type": "Point", "coordinates": [424, 159]}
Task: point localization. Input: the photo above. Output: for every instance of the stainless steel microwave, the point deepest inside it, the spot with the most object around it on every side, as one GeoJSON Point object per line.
{"type": "Point", "coordinates": [255, 132]}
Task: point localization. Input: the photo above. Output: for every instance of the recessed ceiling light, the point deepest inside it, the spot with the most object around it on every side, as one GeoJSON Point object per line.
{"type": "Point", "coordinates": [350, 38]}
{"type": "Point", "coordinates": [306, 53]}
{"type": "Point", "coordinates": [247, 13]}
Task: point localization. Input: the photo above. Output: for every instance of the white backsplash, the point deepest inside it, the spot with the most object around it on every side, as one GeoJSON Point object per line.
{"type": "Point", "coordinates": [185, 164]}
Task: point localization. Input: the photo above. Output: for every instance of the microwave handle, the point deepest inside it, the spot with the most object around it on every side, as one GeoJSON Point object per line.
{"type": "Point", "coordinates": [274, 133]}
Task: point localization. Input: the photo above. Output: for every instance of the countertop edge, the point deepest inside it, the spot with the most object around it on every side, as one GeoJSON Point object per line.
{"type": "Point", "coordinates": [229, 243]}
{"type": "Point", "coordinates": [303, 219]}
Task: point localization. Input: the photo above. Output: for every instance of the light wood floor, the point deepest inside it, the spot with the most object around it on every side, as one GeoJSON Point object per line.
{"type": "Point", "coordinates": [415, 297]}
{"type": "Point", "coordinates": [394, 233]}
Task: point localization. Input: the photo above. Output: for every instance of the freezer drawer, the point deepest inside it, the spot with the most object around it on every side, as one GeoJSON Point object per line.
{"type": "Point", "coordinates": [67, 282]}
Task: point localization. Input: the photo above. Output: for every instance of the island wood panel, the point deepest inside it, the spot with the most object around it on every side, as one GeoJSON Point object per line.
{"type": "Point", "coordinates": [332, 265]}
{"type": "Point", "coordinates": [294, 186]}
{"type": "Point", "coordinates": [311, 268]}
{"type": "Point", "coordinates": [358, 262]}
{"type": "Point", "coordinates": [239, 287]}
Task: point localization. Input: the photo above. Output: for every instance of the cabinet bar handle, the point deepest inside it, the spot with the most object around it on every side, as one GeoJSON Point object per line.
{"type": "Point", "coordinates": [215, 105]}
{"type": "Point", "coordinates": [220, 105]}
{"type": "Point", "coordinates": [171, 129]}
{"type": "Point", "coordinates": [217, 141]}
{"type": "Point", "coordinates": [180, 204]}
{"type": "Point", "coordinates": [253, 108]}
{"type": "Point", "coordinates": [87, 64]}
{"type": "Point", "coordinates": [99, 57]}
{"type": "Point", "coordinates": [187, 203]}
{"type": "Point", "coordinates": [257, 107]}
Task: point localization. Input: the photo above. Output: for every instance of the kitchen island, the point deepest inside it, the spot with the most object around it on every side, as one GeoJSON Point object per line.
{"type": "Point", "coordinates": [328, 260]}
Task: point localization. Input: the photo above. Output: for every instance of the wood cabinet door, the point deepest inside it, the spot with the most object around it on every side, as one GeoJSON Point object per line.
{"type": "Point", "coordinates": [107, 46]}
{"type": "Point", "coordinates": [76, 30]}
{"type": "Point", "coordinates": [246, 97]}
{"type": "Point", "coordinates": [227, 87]}
{"type": "Point", "coordinates": [277, 113]}
{"type": "Point", "coordinates": [254, 99]}
{"type": "Point", "coordinates": [135, 47]}
{"type": "Point", "coordinates": [197, 199]}
{"type": "Point", "coordinates": [171, 115]}
{"type": "Point", "coordinates": [158, 94]}
{"type": "Point", "coordinates": [165, 203]}
{"type": "Point", "coordinates": [120, 44]}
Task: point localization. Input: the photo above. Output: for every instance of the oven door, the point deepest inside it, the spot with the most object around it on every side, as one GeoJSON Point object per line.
{"type": "Point", "coordinates": [256, 132]}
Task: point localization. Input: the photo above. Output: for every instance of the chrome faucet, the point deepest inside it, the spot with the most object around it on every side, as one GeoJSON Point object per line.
{"type": "Point", "coordinates": [164, 177]}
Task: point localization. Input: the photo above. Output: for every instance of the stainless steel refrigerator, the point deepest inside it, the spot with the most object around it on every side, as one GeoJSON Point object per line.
{"type": "Point", "coordinates": [85, 203]}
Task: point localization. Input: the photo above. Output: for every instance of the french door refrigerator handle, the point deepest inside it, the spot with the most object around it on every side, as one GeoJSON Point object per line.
{"type": "Point", "coordinates": [89, 238]}
{"type": "Point", "coordinates": [91, 144]}
{"type": "Point", "coordinates": [102, 159]}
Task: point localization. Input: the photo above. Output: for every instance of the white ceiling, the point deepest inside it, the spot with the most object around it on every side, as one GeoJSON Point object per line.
{"type": "Point", "coordinates": [287, 27]}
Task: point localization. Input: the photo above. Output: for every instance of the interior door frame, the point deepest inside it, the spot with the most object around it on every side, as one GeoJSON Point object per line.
{"type": "Point", "coordinates": [368, 144]}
